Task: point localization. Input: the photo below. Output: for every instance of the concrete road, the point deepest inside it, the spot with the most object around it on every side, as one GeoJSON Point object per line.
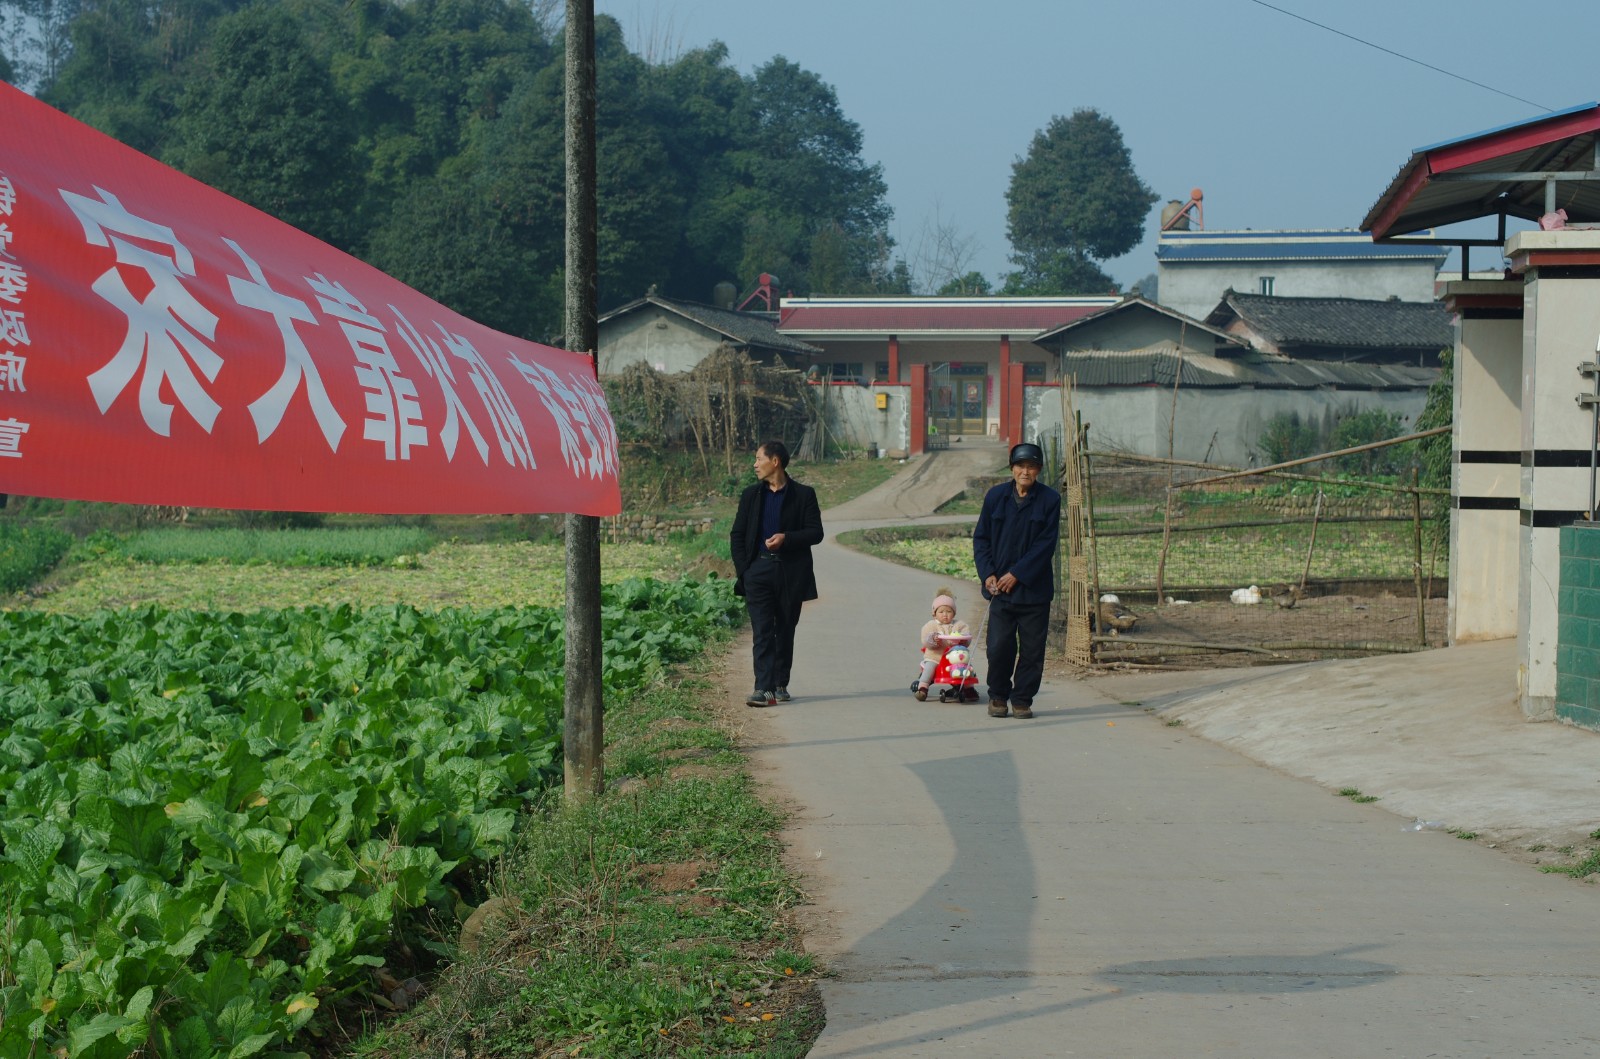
{"type": "Point", "coordinates": [1099, 882]}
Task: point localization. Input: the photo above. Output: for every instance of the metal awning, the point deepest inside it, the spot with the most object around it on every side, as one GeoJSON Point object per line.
{"type": "Point", "coordinates": [1525, 170]}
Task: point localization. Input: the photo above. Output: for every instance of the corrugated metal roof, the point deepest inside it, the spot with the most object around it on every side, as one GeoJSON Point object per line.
{"type": "Point", "coordinates": [1345, 244]}
{"type": "Point", "coordinates": [1156, 368]}
{"type": "Point", "coordinates": [1560, 141]}
{"type": "Point", "coordinates": [1134, 304]}
{"type": "Point", "coordinates": [742, 328]}
{"type": "Point", "coordinates": [821, 318]}
{"type": "Point", "coordinates": [1345, 323]}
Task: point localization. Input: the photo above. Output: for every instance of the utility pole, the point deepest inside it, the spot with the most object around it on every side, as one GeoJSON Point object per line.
{"type": "Point", "coordinates": [584, 733]}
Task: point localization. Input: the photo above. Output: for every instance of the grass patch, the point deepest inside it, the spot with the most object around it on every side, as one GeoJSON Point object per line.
{"type": "Point", "coordinates": [1588, 865]}
{"type": "Point", "coordinates": [27, 553]}
{"type": "Point", "coordinates": [517, 573]}
{"type": "Point", "coordinates": [366, 546]}
{"type": "Point", "coordinates": [1355, 795]}
{"type": "Point", "coordinates": [652, 921]}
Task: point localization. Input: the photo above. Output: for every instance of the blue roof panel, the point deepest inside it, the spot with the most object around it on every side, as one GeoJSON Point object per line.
{"type": "Point", "coordinates": [1295, 250]}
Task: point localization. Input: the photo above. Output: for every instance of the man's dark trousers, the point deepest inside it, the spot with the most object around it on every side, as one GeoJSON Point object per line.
{"type": "Point", "coordinates": [1009, 625]}
{"type": "Point", "coordinates": [773, 618]}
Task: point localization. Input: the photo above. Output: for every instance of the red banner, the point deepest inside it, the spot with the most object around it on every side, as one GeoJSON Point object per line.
{"type": "Point", "coordinates": [162, 343]}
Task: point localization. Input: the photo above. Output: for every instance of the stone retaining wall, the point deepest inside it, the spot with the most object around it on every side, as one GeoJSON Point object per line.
{"type": "Point", "coordinates": [651, 529]}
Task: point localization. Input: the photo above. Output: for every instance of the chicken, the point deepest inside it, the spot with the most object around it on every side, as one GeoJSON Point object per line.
{"type": "Point", "coordinates": [1115, 617]}
{"type": "Point", "coordinates": [1288, 597]}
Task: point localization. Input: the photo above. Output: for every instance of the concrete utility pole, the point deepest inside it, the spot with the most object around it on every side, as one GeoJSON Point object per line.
{"type": "Point", "coordinates": [584, 736]}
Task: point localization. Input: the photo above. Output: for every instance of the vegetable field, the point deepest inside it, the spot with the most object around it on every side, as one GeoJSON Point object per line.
{"type": "Point", "coordinates": [213, 826]}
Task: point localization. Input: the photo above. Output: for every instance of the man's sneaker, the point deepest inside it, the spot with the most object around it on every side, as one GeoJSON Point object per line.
{"type": "Point", "coordinates": [1024, 712]}
{"type": "Point", "coordinates": [761, 698]}
{"type": "Point", "coordinates": [997, 707]}
{"type": "Point", "coordinates": [782, 695]}
{"type": "Point", "coordinates": [922, 693]}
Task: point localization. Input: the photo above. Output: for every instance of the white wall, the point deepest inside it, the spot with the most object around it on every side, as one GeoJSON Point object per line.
{"type": "Point", "coordinates": [1213, 425]}
{"type": "Point", "coordinates": [1195, 288]}
{"type": "Point", "coordinates": [663, 340]}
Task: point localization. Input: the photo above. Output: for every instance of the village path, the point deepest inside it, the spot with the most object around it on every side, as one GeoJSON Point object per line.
{"type": "Point", "coordinates": [1104, 881]}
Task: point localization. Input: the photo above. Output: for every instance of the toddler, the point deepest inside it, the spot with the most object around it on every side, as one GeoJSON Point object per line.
{"type": "Point", "coordinates": [943, 624]}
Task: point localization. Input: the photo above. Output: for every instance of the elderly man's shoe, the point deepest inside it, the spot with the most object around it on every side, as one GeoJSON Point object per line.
{"type": "Point", "coordinates": [782, 695]}
{"type": "Point", "coordinates": [997, 707]}
{"type": "Point", "coordinates": [1023, 712]}
{"type": "Point", "coordinates": [761, 698]}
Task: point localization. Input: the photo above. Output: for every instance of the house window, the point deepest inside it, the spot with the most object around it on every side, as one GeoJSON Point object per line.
{"type": "Point", "coordinates": [1266, 284]}
{"type": "Point", "coordinates": [1032, 372]}
{"type": "Point", "coordinates": [881, 370]}
{"type": "Point", "coordinates": [843, 371]}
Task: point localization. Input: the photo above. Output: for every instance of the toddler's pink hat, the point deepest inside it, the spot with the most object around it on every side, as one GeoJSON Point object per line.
{"type": "Point", "coordinates": [944, 600]}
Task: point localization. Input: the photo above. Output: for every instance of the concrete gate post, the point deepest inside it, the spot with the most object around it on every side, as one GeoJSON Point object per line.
{"type": "Point", "coordinates": [1561, 328]}
{"type": "Point", "coordinates": [1486, 457]}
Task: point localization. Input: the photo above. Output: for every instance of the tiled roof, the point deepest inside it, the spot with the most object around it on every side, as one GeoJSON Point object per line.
{"type": "Point", "coordinates": [1128, 306]}
{"type": "Point", "coordinates": [1344, 244]}
{"type": "Point", "coordinates": [821, 317]}
{"type": "Point", "coordinates": [1338, 323]}
{"type": "Point", "coordinates": [1156, 368]}
{"type": "Point", "coordinates": [741, 328]}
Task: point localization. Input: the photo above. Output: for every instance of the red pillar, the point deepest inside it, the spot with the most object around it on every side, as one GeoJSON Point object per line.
{"type": "Point", "coordinates": [894, 359]}
{"type": "Point", "coordinates": [1011, 429]}
{"type": "Point", "coordinates": [918, 442]}
{"type": "Point", "coordinates": [1000, 380]}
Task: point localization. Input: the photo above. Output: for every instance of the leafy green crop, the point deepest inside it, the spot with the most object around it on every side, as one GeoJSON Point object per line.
{"type": "Point", "coordinates": [212, 825]}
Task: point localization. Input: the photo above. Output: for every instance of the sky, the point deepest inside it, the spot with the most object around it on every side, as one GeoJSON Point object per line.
{"type": "Point", "coordinates": [1281, 123]}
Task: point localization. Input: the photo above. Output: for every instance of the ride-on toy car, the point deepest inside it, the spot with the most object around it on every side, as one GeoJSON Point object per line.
{"type": "Point", "coordinates": [953, 675]}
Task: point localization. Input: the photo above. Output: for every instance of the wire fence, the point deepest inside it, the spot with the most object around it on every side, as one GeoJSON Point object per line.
{"type": "Point", "coordinates": [1191, 563]}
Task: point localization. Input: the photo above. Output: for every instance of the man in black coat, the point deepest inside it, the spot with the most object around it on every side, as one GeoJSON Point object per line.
{"type": "Point", "coordinates": [1014, 547]}
{"type": "Point", "coordinates": [777, 525]}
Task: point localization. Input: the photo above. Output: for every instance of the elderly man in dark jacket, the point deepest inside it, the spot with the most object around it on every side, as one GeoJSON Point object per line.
{"type": "Point", "coordinates": [1014, 546]}
{"type": "Point", "coordinates": [777, 525]}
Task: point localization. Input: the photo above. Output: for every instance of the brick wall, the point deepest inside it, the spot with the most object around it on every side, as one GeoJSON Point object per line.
{"type": "Point", "coordinates": [1578, 626]}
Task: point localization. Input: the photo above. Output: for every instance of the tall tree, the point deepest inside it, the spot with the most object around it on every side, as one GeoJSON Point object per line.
{"type": "Point", "coordinates": [797, 171]}
{"type": "Point", "coordinates": [261, 121]}
{"type": "Point", "coordinates": [128, 64]}
{"type": "Point", "coordinates": [1073, 202]}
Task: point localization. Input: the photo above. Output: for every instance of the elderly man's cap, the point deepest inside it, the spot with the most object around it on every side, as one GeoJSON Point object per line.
{"type": "Point", "coordinates": [1027, 451]}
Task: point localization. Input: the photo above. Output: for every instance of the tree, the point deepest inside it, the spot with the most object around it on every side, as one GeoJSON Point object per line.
{"type": "Point", "coordinates": [262, 122]}
{"type": "Point", "coordinates": [1073, 202]}
{"type": "Point", "coordinates": [941, 258]}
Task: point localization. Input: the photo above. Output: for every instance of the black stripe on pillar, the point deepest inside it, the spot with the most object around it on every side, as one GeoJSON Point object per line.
{"type": "Point", "coordinates": [1557, 457]}
{"type": "Point", "coordinates": [1552, 519]}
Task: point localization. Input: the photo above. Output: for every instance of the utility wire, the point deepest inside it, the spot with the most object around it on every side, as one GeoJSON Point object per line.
{"type": "Point", "coordinates": [1398, 55]}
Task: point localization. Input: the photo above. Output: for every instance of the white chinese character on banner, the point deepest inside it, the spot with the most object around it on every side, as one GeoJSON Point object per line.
{"type": "Point", "coordinates": [13, 329]}
{"type": "Point", "coordinates": [5, 240]}
{"type": "Point", "coordinates": [11, 367]}
{"type": "Point", "coordinates": [569, 406]}
{"type": "Point", "coordinates": [268, 409]}
{"type": "Point", "coordinates": [13, 281]}
{"type": "Point", "coordinates": [433, 362]}
{"type": "Point", "coordinates": [508, 428]}
{"type": "Point", "coordinates": [395, 416]}
{"type": "Point", "coordinates": [167, 328]}
{"type": "Point", "coordinates": [594, 403]}
{"type": "Point", "coordinates": [11, 432]}
{"type": "Point", "coordinates": [8, 196]}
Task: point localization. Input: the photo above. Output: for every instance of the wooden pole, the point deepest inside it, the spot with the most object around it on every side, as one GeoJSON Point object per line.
{"type": "Point", "coordinates": [583, 737]}
{"type": "Point", "coordinates": [1325, 456]}
{"type": "Point", "coordinates": [1422, 600]}
{"type": "Point", "coordinates": [1172, 473]}
{"type": "Point", "coordinates": [1316, 514]}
